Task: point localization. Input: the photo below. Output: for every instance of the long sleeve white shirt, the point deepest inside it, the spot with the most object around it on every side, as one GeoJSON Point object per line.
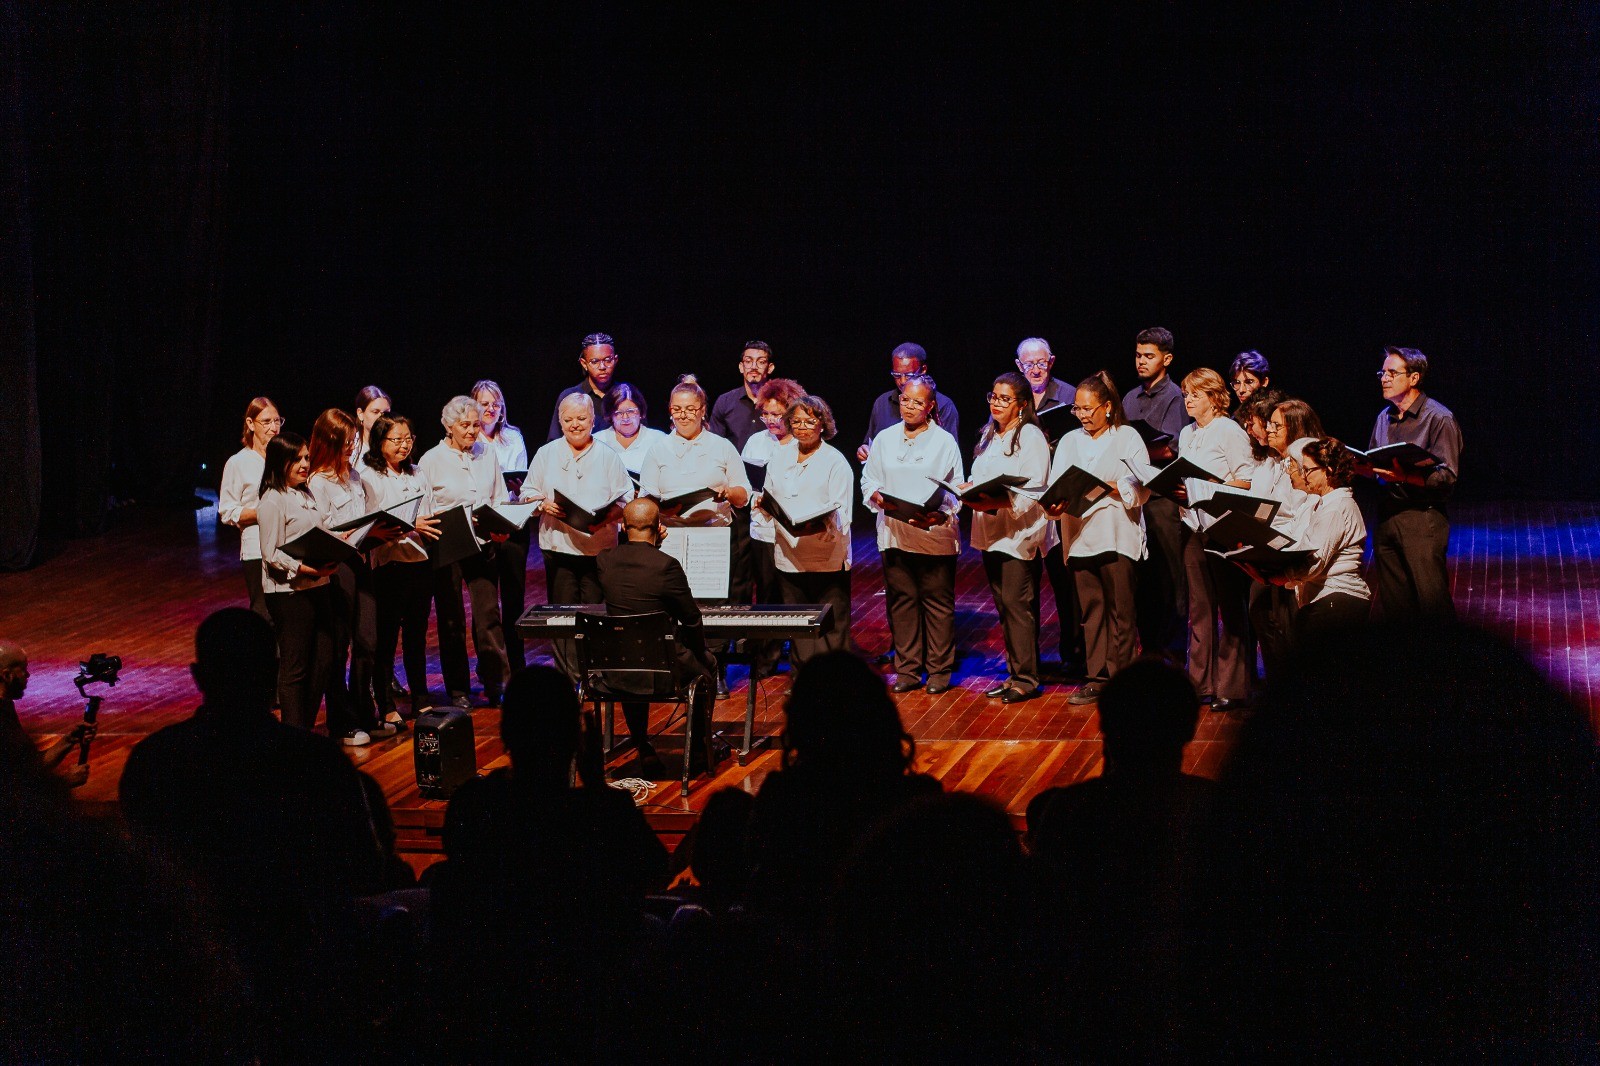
{"type": "Point", "coordinates": [455, 477]}
{"type": "Point", "coordinates": [281, 517]}
{"type": "Point", "coordinates": [901, 465]}
{"type": "Point", "coordinates": [510, 449]}
{"type": "Point", "coordinates": [239, 492]}
{"type": "Point", "coordinates": [592, 479]}
{"type": "Point", "coordinates": [633, 455]}
{"type": "Point", "coordinates": [1220, 447]}
{"type": "Point", "coordinates": [1336, 532]}
{"type": "Point", "coordinates": [1021, 529]}
{"type": "Point", "coordinates": [1111, 524]}
{"type": "Point", "coordinates": [337, 501]}
{"type": "Point", "coordinates": [761, 450]}
{"type": "Point", "coordinates": [823, 475]}
{"type": "Point", "coordinates": [386, 489]}
{"type": "Point", "coordinates": [675, 466]}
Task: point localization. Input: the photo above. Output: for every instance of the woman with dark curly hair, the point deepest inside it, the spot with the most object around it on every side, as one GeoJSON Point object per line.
{"type": "Point", "coordinates": [1331, 593]}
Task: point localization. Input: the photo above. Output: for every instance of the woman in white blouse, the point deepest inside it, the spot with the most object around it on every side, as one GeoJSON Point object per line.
{"type": "Point", "coordinates": [372, 403]}
{"type": "Point", "coordinates": [773, 399]}
{"type": "Point", "coordinates": [1219, 665]}
{"type": "Point", "coordinates": [299, 597]}
{"type": "Point", "coordinates": [1276, 477]}
{"type": "Point", "coordinates": [919, 556]}
{"type": "Point", "coordinates": [1015, 535]}
{"type": "Point", "coordinates": [628, 436]}
{"type": "Point", "coordinates": [402, 583]}
{"type": "Point", "coordinates": [463, 471]}
{"type": "Point", "coordinates": [1331, 592]}
{"type": "Point", "coordinates": [240, 489]}
{"type": "Point", "coordinates": [1103, 546]}
{"type": "Point", "coordinates": [511, 556]}
{"type": "Point", "coordinates": [814, 567]}
{"type": "Point", "coordinates": [336, 487]}
{"type": "Point", "coordinates": [692, 457]}
{"type": "Point", "coordinates": [592, 477]}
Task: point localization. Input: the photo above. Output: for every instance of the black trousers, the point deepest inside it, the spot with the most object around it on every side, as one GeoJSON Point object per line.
{"type": "Point", "coordinates": [1330, 615]}
{"type": "Point", "coordinates": [1014, 584]}
{"type": "Point", "coordinates": [1163, 590]}
{"type": "Point", "coordinates": [637, 714]}
{"type": "Point", "coordinates": [252, 587]}
{"type": "Point", "coordinates": [404, 595]}
{"type": "Point", "coordinates": [1217, 594]}
{"type": "Point", "coordinates": [570, 579]}
{"type": "Point", "coordinates": [488, 637]}
{"type": "Point", "coordinates": [306, 622]}
{"type": "Point", "coordinates": [742, 565]}
{"type": "Point", "coordinates": [1069, 615]}
{"type": "Point", "coordinates": [831, 588]}
{"type": "Point", "coordinates": [764, 654]}
{"type": "Point", "coordinates": [920, 596]}
{"type": "Point", "coordinates": [1106, 590]}
{"type": "Point", "coordinates": [511, 567]}
{"type": "Point", "coordinates": [1272, 611]}
{"type": "Point", "coordinates": [1409, 573]}
{"type": "Point", "coordinates": [355, 644]}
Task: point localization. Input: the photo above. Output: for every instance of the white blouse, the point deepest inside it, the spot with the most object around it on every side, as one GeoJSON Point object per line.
{"type": "Point", "coordinates": [338, 501]}
{"type": "Point", "coordinates": [384, 490]}
{"type": "Point", "coordinates": [1221, 447]}
{"type": "Point", "coordinates": [901, 465]}
{"type": "Point", "coordinates": [1270, 481]}
{"type": "Point", "coordinates": [633, 454]}
{"type": "Point", "coordinates": [1110, 524]}
{"type": "Point", "coordinates": [675, 466]}
{"type": "Point", "coordinates": [826, 475]}
{"type": "Point", "coordinates": [1020, 529]}
{"type": "Point", "coordinates": [592, 479]}
{"type": "Point", "coordinates": [1336, 532]}
{"type": "Point", "coordinates": [283, 516]}
{"type": "Point", "coordinates": [241, 487]}
{"type": "Point", "coordinates": [454, 477]}
{"type": "Point", "coordinates": [760, 450]}
{"type": "Point", "coordinates": [510, 448]}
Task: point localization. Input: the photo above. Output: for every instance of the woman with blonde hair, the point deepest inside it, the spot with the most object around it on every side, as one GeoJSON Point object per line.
{"type": "Point", "coordinates": [239, 493]}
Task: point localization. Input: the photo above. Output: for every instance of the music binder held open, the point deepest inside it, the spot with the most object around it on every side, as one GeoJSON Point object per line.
{"type": "Point", "coordinates": [996, 490]}
{"type": "Point", "coordinates": [1402, 454]}
{"type": "Point", "coordinates": [503, 517]}
{"type": "Point", "coordinates": [1078, 489]}
{"type": "Point", "coordinates": [318, 548]}
{"type": "Point", "coordinates": [1057, 422]}
{"type": "Point", "coordinates": [514, 480]}
{"type": "Point", "coordinates": [457, 541]}
{"type": "Point", "coordinates": [1241, 538]}
{"type": "Point", "coordinates": [581, 518]}
{"type": "Point", "coordinates": [687, 504]}
{"type": "Point", "coordinates": [1225, 500]}
{"type": "Point", "coordinates": [402, 516]}
{"type": "Point", "coordinates": [1170, 478]}
{"type": "Point", "coordinates": [907, 511]}
{"type": "Point", "coordinates": [801, 523]}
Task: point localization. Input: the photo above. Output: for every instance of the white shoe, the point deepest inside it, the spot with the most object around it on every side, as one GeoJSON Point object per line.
{"type": "Point", "coordinates": [357, 738]}
{"type": "Point", "coordinates": [383, 729]}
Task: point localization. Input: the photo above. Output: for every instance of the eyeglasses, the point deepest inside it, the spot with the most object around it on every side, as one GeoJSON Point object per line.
{"type": "Point", "coordinates": [1275, 426]}
{"type": "Point", "coordinates": [772, 416]}
{"type": "Point", "coordinates": [1387, 374]}
{"type": "Point", "coordinates": [804, 423]}
{"type": "Point", "coordinates": [1309, 470]}
{"type": "Point", "coordinates": [677, 412]}
{"type": "Point", "coordinates": [625, 416]}
{"type": "Point", "coordinates": [601, 360]}
{"type": "Point", "coordinates": [1081, 411]}
{"type": "Point", "coordinates": [1037, 364]}
{"type": "Point", "coordinates": [400, 440]}
{"type": "Point", "coordinates": [1001, 400]}
{"type": "Point", "coordinates": [914, 403]}
{"type": "Point", "coordinates": [267, 421]}
{"type": "Point", "coordinates": [760, 360]}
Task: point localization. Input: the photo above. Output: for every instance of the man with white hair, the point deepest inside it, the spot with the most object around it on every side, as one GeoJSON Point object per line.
{"type": "Point", "coordinates": [1036, 362]}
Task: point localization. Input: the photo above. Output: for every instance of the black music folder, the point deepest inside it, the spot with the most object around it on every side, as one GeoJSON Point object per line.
{"type": "Point", "coordinates": [581, 518]}
{"type": "Point", "coordinates": [505, 518]}
{"type": "Point", "coordinates": [757, 476]}
{"type": "Point", "coordinates": [676, 506]}
{"type": "Point", "coordinates": [402, 516]}
{"type": "Point", "coordinates": [1154, 439]}
{"type": "Point", "coordinates": [995, 490]}
{"type": "Point", "coordinates": [1078, 489]}
{"type": "Point", "coordinates": [456, 539]}
{"type": "Point", "coordinates": [906, 511]}
{"type": "Point", "coordinates": [1404, 454]}
{"type": "Point", "coordinates": [1242, 538]}
{"type": "Point", "coordinates": [317, 548]}
{"type": "Point", "coordinates": [800, 525]}
{"type": "Point", "coordinates": [1170, 478]}
{"type": "Point", "coordinates": [1225, 501]}
{"type": "Point", "coordinates": [1057, 422]}
{"type": "Point", "coordinates": [514, 480]}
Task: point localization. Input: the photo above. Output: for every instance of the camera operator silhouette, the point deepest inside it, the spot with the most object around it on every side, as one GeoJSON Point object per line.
{"type": "Point", "coordinates": [13, 684]}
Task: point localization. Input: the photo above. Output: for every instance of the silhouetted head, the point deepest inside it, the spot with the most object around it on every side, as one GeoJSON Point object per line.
{"type": "Point", "coordinates": [540, 724]}
{"type": "Point", "coordinates": [13, 670]}
{"type": "Point", "coordinates": [1148, 712]}
{"type": "Point", "coordinates": [841, 719]}
{"type": "Point", "coordinates": [641, 520]}
{"type": "Point", "coordinates": [235, 660]}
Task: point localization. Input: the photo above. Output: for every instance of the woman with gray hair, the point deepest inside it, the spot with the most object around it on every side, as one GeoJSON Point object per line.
{"type": "Point", "coordinates": [463, 471]}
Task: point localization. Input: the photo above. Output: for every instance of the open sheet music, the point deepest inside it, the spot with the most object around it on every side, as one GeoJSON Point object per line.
{"type": "Point", "coordinates": [705, 553]}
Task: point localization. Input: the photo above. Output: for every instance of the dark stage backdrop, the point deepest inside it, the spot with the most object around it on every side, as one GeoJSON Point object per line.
{"type": "Point", "coordinates": [421, 196]}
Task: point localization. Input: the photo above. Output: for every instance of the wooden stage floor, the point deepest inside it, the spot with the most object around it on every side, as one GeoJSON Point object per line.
{"type": "Point", "coordinates": [1530, 570]}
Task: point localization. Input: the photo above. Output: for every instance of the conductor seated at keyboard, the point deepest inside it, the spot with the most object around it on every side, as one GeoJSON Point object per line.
{"type": "Point", "coordinates": [637, 577]}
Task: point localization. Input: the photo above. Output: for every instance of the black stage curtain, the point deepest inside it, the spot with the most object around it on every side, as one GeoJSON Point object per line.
{"type": "Point", "coordinates": [113, 128]}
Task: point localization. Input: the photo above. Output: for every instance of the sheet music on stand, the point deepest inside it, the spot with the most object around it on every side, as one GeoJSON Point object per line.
{"type": "Point", "coordinates": [704, 553]}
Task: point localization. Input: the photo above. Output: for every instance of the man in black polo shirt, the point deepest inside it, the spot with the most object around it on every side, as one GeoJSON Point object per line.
{"type": "Point", "coordinates": [1162, 595]}
{"type": "Point", "coordinates": [1412, 537]}
{"type": "Point", "coordinates": [599, 362]}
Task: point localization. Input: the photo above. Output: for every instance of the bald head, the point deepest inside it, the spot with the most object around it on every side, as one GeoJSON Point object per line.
{"type": "Point", "coordinates": [640, 519]}
{"type": "Point", "coordinates": [13, 670]}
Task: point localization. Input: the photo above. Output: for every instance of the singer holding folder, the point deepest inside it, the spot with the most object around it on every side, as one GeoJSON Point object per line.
{"type": "Point", "coordinates": [1014, 536]}
{"type": "Point", "coordinates": [918, 544]}
{"type": "Point", "coordinates": [402, 582]}
{"type": "Point", "coordinates": [814, 482]}
{"type": "Point", "coordinates": [511, 556]}
{"type": "Point", "coordinates": [1105, 542]}
{"type": "Point", "coordinates": [583, 484]}
{"type": "Point", "coordinates": [299, 597]}
{"type": "Point", "coordinates": [462, 470]}
{"type": "Point", "coordinates": [694, 458]}
{"type": "Point", "coordinates": [772, 402]}
{"type": "Point", "coordinates": [1331, 593]}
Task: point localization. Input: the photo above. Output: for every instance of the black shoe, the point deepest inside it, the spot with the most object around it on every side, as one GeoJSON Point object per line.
{"type": "Point", "coordinates": [722, 684]}
{"type": "Point", "coordinates": [994, 692]}
{"type": "Point", "coordinates": [461, 701]}
{"type": "Point", "coordinates": [1089, 693]}
{"type": "Point", "coordinates": [396, 689]}
{"type": "Point", "coordinates": [884, 660]}
{"type": "Point", "coordinates": [649, 766]}
{"type": "Point", "coordinates": [1221, 706]}
{"type": "Point", "coordinates": [939, 687]}
{"type": "Point", "coordinates": [1016, 695]}
{"type": "Point", "coordinates": [908, 683]}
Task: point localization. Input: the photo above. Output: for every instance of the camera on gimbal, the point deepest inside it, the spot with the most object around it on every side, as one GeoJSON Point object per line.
{"type": "Point", "coordinates": [100, 668]}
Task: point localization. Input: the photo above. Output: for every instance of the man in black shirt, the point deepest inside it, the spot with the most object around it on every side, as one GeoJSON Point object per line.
{"type": "Point", "coordinates": [599, 362]}
{"type": "Point", "coordinates": [1162, 597]}
{"type": "Point", "coordinates": [1412, 537]}
{"type": "Point", "coordinates": [734, 417]}
{"type": "Point", "coordinates": [907, 359]}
